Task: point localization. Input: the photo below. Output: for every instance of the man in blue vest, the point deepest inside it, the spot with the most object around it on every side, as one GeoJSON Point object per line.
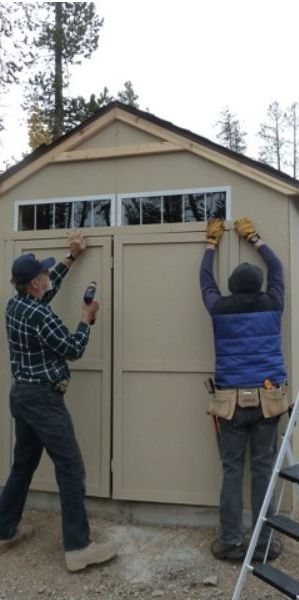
{"type": "Point", "coordinates": [250, 380]}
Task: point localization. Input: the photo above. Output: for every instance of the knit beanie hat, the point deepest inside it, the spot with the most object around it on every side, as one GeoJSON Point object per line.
{"type": "Point", "coordinates": [246, 278]}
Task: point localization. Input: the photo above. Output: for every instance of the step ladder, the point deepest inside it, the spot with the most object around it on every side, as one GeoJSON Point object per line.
{"type": "Point", "coordinates": [272, 576]}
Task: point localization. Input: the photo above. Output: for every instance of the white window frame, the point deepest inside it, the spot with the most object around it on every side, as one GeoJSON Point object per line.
{"type": "Point", "coordinates": [205, 190]}
{"type": "Point", "coordinates": [62, 200]}
{"type": "Point", "coordinates": [116, 201]}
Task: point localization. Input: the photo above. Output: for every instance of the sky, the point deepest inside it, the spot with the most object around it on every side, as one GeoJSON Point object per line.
{"type": "Point", "coordinates": [187, 61]}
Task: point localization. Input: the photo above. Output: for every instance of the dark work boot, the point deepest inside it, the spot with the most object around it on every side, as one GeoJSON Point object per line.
{"type": "Point", "coordinates": [223, 551]}
{"type": "Point", "coordinates": [275, 550]}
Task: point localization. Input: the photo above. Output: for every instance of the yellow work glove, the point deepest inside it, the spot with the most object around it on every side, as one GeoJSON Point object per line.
{"type": "Point", "coordinates": [215, 229]}
{"type": "Point", "coordinates": [245, 228]}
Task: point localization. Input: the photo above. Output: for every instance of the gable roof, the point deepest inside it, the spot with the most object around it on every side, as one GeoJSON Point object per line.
{"type": "Point", "coordinates": [173, 139]}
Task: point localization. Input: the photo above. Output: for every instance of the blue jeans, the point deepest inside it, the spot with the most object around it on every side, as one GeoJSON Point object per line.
{"type": "Point", "coordinates": [43, 421]}
{"type": "Point", "coordinates": [262, 434]}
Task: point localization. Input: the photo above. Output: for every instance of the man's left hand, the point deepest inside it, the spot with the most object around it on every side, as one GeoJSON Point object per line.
{"type": "Point", "coordinates": [215, 230]}
{"type": "Point", "coordinates": [78, 243]}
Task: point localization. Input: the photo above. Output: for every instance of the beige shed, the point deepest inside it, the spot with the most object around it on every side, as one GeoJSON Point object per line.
{"type": "Point", "coordinates": [142, 190]}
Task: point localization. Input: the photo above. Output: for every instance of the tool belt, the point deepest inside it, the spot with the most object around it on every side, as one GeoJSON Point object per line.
{"type": "Point", "coordinates": [273, 402]}
{"type": "Point", "coordinates": [59, 386]}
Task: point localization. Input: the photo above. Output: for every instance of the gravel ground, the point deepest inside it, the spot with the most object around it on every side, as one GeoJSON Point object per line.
{"type": "Point", "coordinates": [153, 562]}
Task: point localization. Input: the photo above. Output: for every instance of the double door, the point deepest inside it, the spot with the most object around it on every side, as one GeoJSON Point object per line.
{"type": "Point", "coordinates": [137, 396]}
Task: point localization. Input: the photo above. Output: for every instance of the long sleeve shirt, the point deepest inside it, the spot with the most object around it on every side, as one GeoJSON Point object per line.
{"type": "Point", "coordinates": [39, 343]}
{"type": "Point", "coordinates": [275, 284]}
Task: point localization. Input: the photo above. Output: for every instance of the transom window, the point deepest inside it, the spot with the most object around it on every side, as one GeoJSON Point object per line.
{"type": "Point", "coordinates": [65, 214]}
{"type": "Point", "coordinates": [178, 206]}
{"type": "Point", "coordinates": [174, 207]}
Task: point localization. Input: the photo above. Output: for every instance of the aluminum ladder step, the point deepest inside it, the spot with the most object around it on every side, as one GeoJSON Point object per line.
{"type": "Point", "coordinates": [290, 473]}
{"type": "Point", "coordinates": [284, 525]}
{"type": "Point", "coordinates": [277, 579]}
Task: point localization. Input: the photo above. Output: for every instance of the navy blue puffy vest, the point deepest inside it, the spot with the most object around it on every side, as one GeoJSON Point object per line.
{"type": "Point", "coordinates": [248, 349]}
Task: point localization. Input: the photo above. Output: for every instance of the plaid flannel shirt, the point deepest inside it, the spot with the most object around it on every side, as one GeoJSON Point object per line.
{"type": "Point", "coordinates": [39, 343]}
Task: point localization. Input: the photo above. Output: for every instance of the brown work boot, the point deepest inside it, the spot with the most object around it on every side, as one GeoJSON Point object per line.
{"type": "Point", "coordinates": [91, 555]}
{"type": "Point", "coordinates": [23, 534]}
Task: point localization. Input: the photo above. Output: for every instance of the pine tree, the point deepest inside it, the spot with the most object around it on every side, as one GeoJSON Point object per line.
{"type": "Point", "coordinates": [271, 134]}
{"type": "Point", "coordinates": [127, 95]}
{"type": "Point", "coordinates": [65, 33]}
{"type": "Point", "coordinates": [292, 127]}
{"type": "Point", "coordinates": [77, 110]}
{"type": "Point", "coordinates": [231, 134]}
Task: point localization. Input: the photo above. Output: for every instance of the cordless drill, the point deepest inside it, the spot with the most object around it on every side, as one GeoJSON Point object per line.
{"type": "Point", "coordinates": [89, 295]}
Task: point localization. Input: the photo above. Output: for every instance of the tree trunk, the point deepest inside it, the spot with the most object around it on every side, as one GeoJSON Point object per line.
{"type": "Point", "coordinates": [277, 142]}
{"type": "Point", "coordinates": [295, 143]}
{"type": "Point", "coordinates": [58, 118]}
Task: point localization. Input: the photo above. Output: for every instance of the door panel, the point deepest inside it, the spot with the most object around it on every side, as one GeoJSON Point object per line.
{"type": "Point", "coordinates": [89, 394]}
{"type": "Point", "coordinates": [164, 444]}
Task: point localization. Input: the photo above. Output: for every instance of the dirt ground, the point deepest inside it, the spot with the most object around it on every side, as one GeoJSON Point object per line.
{"type": "Point", "coordinates": [153, 562]}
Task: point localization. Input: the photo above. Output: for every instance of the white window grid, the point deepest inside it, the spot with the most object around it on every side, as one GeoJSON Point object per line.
{"type": "Point", "coordinates": [69, 199]}
{"type": "Point", "coordinates": [116, 202]}
{"type": "Point", "coordinates": [176, 192]}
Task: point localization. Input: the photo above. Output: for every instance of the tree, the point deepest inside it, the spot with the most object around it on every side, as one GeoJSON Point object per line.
{"type": "Point", "coordinates": [64, 34]}
{"type": "Point", "coordinates": [271, 134]}
{"type": "Point", "coordinates": [127, 95]}
{"type": "Point", "coordinates": [77, 110]}
{"type": "Point", "coordinates": [292, 127]}
{"type": "Point", "coordinates": [37, 129]}
{"type": "Point", "coordinates": [15, 50]}
{"type": "Point", "coordinates": [231, 133]}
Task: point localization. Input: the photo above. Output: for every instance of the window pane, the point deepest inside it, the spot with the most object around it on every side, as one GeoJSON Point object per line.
{"type": "Point", "coordinates": [44, 216]}
{"type": "Point", "coordinates": [130, 211]}
{"type": "Point", "coordinates": [26, 218]}
{"type": "Point", "coordinates": [194, 207]}
{"type": "Point", "coordinates": [101, 214]}
{"type": "Point", "coordinates": [63, 215]}
{"type": "Point", "coordinates": [216, 205]}
{"type": "Point", "coordinates": [82, 214]}
{"type": "Point", "coordinates": [151, 210]}
{"type": "Point", "coordinates": [173, 209]}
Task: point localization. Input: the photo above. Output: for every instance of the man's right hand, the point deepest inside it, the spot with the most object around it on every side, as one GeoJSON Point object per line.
{"type": "Point", "coordinates": [77, 242]}
{"type": "Point", "coordinates": [89, 311]}
{"type": "Point", "coordinates": [245, 228]}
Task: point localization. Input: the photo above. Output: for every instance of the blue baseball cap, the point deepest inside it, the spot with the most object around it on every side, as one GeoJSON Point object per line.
{"type": "Point", "coordinates": [26, 267]}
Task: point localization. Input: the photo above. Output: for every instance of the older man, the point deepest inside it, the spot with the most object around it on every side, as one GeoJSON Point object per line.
{"type": "Point", "coordinates": [40, 346]}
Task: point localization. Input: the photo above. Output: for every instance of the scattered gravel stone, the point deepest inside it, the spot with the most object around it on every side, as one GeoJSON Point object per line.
{"type": "Point", "coordinates": [211, 580]}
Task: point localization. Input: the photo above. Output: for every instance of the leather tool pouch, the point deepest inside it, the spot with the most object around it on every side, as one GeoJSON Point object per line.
{"type": "Point", "coordinates": [274, 402]}
{"type": "Point", "coordinates": [223, 403]}
{"type": "Point", "coordinates": [248, 397]}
